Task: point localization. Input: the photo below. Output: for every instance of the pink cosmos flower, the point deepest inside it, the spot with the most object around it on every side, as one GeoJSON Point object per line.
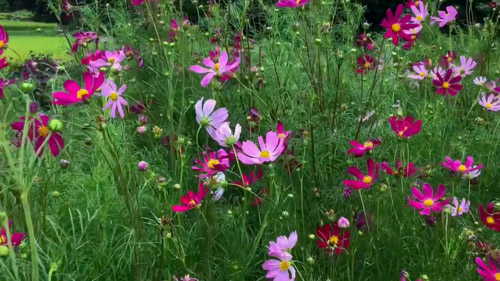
{"type": "Point", "coordinates": [192, 200]}
{"type": "Point", "coordinates": [92, 57]}
{"type": "Point", "coordinates": [457, 166]}
{"type": "Point", "coordinates": [208, 118]}
{"type": "Point", "coordinates": [427, 201]}
{"type": "Point", "coordinates": [420, 13]}
{"type": "Point", "coordinates": [407, 171]}
{"type": "Point", "coordinates": [359, 149]}
{"type": "Point", "coordinates": [15, 239]}
{"type": "Point", "coordinates": [364, 181]}
{"type": "Point", "coordinates": [137, 2]}
{"type": "Point", "coordinates": [83, 39]}
{"type": "Point", "coordinates": [4, 38]}
{"type": "Point", "coordinates": [480, 81]}
{"type": "Point", "coordinates": [109, 89]}
{"type": "Point", "coordinates": [39, 131]}
{"type": "Point", "coordinates": [291, 3]}
{"type": "Point", "coordinates": [459, 209]}
{"type": "Point", "coordinates": [270, 149]}
{"type": "Point", "coordinates": [405, 127]}
{"type": "Point", "coordinates": [280, 270]}
{"type": "Point", "coordinates": [111, 59]}
{"type": "Point", "coordinates": [4, 83]}
{"type": "Point", "coordinates": [75, 94]}
{"type": "Point", "coordinates": [395, 25]}
{"type": "Point", "coordinates": [465, 68]}
{"type": "Point", "coordinates": [448, 84]}
{"type": "Point", "coordinates": [215, 69]}
{"type": "Point", "coordinates": [211, 163]}
{"type": "Point", "coordinates": [413, 34]}
{"type": "Point", "coordinates": [225, 137]}
{"type": "Point", "coordinates": [489, 273]}
{"type": "Point", "coordinates": [3, 61]}
{"type": "Point", "coordinates": [435, 71]}
{"type": "Point", "coordinates": [420, 72]}
{"type": "Point", "coordinates": [491, 103]}
{"type": "Point", "coordinates": [283, 245]}
{"type": "Point", "coordinates": [445, 17]}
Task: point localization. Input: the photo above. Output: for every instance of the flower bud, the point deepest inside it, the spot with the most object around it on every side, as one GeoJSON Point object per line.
{"type": "Point", "coordinates": [143, 119]}
{"type": "Point", "coordinates": [55, 125]}
{"type": "Point", "coordinates": [143, 166]}
{"type": "Point", "coordinates": [4, 250]}
{"type": "Point", "coordinates": [56, 194]}
{"type": "Point", "coordinates": [177, 186]}
{"type": "Point", "coordinates": [33, 107]}
{"type": "Point", "coordinates": [343, 222]}
{"type": "Point", "coordinates": [64, 163]}
{"type": "Point", "coordinates": [141, 129]}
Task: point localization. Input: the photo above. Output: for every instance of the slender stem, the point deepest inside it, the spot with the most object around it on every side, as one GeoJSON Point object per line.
{"type": "Point", "coordinates": [31, 233]}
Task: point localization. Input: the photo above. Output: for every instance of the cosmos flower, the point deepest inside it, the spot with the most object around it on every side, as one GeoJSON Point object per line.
{"type": "Point", "coordinates": [270, 148]}
{"type": "Point", "coordinates": [291, 3]}
{"type": "Point", "coordinates": [491, 103]}
{"type": "Point", "coordinates": [211, 163]}
{"type": "Point", "coordinates": [458, 209]}
{"type": "Point", "coordinates": [490, 217]}
{"type": "Point", "coordinates": [192, 200]}
{"type": "Point", "coordinates": [427, 201]}
{"type": "Point", "coordinates": [75, 94]}
{"type": "Point", "coordinates": [434, 72]}
{"type": "Point", "coordinates": [480, 81]}
{"type": "Point", "coordinates": [83, 39]}
{"type": "Point", "coordinates": [365, 41]}
{"type": "Point", "coordinates": [174, 28]}
{"type": "Point", "coordinates": [359, 149]}
{"type": "Point", "coordinates": [280, 270]}
{"type": "Point", "coordinates": [283, 245]}
{"type": "Point", "coordinates": [3, 61]}
{"type": "Point", "coordinates": [404, 127]}
{"type": "Point", "coordinates": [4, 83]}
{"type": "Point", "coordinates": [332, 239]}
{"type": "Point", "coordinates": [471, 175]}
{"type": "Point", "coordinates": [365, 64]}
{"type": "Point", "coordinates": [448, 84]}
{"type": "Point", "coordinates": [447, 59]}
{"type": "Point", "coordinates": [413, 34]}
{"type": "Point", "coordinates": [208, 118]}
{"type": "Point", "coordinates": [407, 171]}
{"type": "Point", "coordinates": [420, 72]}
{"type": "Point", "coordinates": [420, 13]}
{"type": "Point", "coordinates": [489, 273]}
{"type": "Point", "coordinates": [109, 90]}
{"type": "Point", "coordinates": [15, 239]}
{"type": "Point", "coordinates": [218, 183]}
{"type": "Point", "coordinates": [112, 59]}
{"type": "Point", "coordinates": [225, 137]}
{"type": "Point", "coordinates": [4, 38]}
{"type": "Point", "coordinates": [250, 179]}
{"type": "Point", "coordinates": [395, 25]}
{"type": "Point", "coordinates": [465, 68]}
{"type": "Point", "coordinates": [457, 166]}
{"type": "Point", "coordinates": [39, 130]}
{"type": "Point", "coordinates": [215, 69]}
{"type": "Point", "coordinates": [364, 181]}
{"type": "Point", "coordinates": [445, 17]}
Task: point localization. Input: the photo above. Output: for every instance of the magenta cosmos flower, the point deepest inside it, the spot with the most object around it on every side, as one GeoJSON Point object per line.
{"type": "Point", "coordinates": [364, 181]}
{"type": "Point", "coordinates": [489, 273]}
{"type": "Point", "coordinates": [225, 137]}
{"type": "Point", "coordinates": [405, 127]}
{"type": "Point", "coordinates": [15, 239]}
{"type": "Point", "coordinates": [283, 245]}
{"type": "Point", "coordinates": [208, 118]}
{"type": "Point", "coordinates": [491, 103]}
{"type": "Point", "coordinates": [215, 69]}
{"type": "Point", "coordinates": [83, 39]}
{"type": "Point", "coordinates": [396, 25]}
{"type": "Point", "coordinates": [448, 84]}
{"type": "Point", "coordinates": [359, 149]}
{"type": "Point", "coordinates": [291, 3]}
{"type": "Point", "coordinates": [115, 101]}
{"type": "Point", "coordinates": [211, 163]}
{"type": "Point", "coordinates": [75, 93]}
{"type": "Point", "coordinates": [4, 38]}
{"type": "Point", "coordinates": [192, 200]}
{"type": "Point", "coordinates": [39, 131]}
{"type": "Point", "coordinates": [445, 17]}
{"type": "Point", "coordinates": [427, 201]}
{"type": "Point", "coordinates": [407, 171]}
{"type": "Point", "coordinates": [269, 150]}
{"type": "Point", "coordinates": [457, 166]}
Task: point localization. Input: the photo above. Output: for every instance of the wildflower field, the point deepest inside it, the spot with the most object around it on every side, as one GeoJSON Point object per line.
{"type": "Point", "coordinates": [253, 140]}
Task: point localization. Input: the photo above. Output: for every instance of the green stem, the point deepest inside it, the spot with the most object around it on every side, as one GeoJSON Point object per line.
{"type": "Point", "coordinates": [31, 233]}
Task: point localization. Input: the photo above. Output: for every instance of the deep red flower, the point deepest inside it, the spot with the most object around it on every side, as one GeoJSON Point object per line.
{"type": "Point", "coordinates": [407, 171]}
{"type": "Point", "coordinates": [365, 64]}
{"type": "Point", "coordinates": [38, 131]}
{"type": "Point", "coordinates": [395, 25]}
{"type": "Point", "coordinates": [490, 217]}
{"type": "Point", "coordinates": [404, 127]}
{"type": "Point", "coordinates": [364, 180]}
{"type": "Point", "coordinates": [250, 179]}
{"type": "Point", "coordinates": [447, 59]}
{"type": "Point", "coordinates": [448, 84]}
{"type": "Point", "coordinates": [192, 200]}
{"type": "Point", "coordinates": [365, 41]}
{"type": "Point", "coordinates": [332, 240]}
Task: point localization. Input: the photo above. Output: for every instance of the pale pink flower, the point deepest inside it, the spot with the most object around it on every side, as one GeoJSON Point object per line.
{"type": "Point", "coordinates": [215, 68]}
{"type": "Point", "coordinates": [465, 68]}
{"type": "Point", "coordinates": [445, 17]}
{"type": "Point", "coordinates": [270, 149]}
{"type": "Point", "coordinates": [420, 13]}
{"type": "Point", "coordinates": [491, 103]}
{"type": "Point", "coordinates": [420, 72]}
{"type": "Point", "coordinates": [109, 89]}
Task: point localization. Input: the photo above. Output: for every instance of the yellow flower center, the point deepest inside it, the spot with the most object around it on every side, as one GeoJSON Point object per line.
{"type": "Point", "coordinates": [111, 60]}
{"type": "Point", "coordinates": [368, 144]}
{"type": "Point", "coordinates": [43, 131]}
{"type": "Point", "coordinates": [460, 209]}
{"type": "Point", "coordinates": [428, 202]}
{"type": "Point", "coordinates": [401, 133]}
{"type": "Point", "coordinates": [212, 162]}
{"type": "Point", "coordinates": [365, 39]}
{"type": "Point", "coordinates": [113, 96]}
{"type": "Point", "coordinates": [497, 276]}
{"type": "Point", "coordinates": [417, 3]}
{"type": "Point", "coordinates": [446, 85]}
{"type": "Point", "coordinates": [281, 136]}
{"type": "Point", "coordinates": [413, 37]}
{"type": "Point", "coordinates": [81, 93]}
{"type": "Point", "coordinates": [264, 154]}
{"type": "Point", "coordinates": [396, 27]}
{"type": "Point", "coordinates": [462, 168]}
{"type": "Point", "coordinates": [367, 179]}
{"type": "Point", "coordinates": [3, 239]}
{"type": "Point", "coordinates": [422, 74]}
{"type": "Point", "coordinates": [368, 64]}
{"type": "Point", "coordinates": [217, 67]}
{"type": "Point", "coordinates": [333, 240]}
{"type": "Point", "coordinates": [489, 105]}
{"type": "Point", "coordinates": [490, 220]}
{"type": "Point", "coordinates": [419, 18]}
{"type": "Point", "coordinates": [2, 44]}
{"type": "Point", "coordinates": [450, 59]}
{"type": "Point", "coordinates": [192, 203]}
{"type": "Point", "coordinates": [297, 1]}
{"type": "Point", "coordinates": [285, 265]}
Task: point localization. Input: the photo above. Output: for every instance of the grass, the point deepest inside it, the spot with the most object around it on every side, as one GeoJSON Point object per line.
{"type": "Point", "coordinates": [20, 47]}
{"type": "Point", "coordinates": [11, 25]}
